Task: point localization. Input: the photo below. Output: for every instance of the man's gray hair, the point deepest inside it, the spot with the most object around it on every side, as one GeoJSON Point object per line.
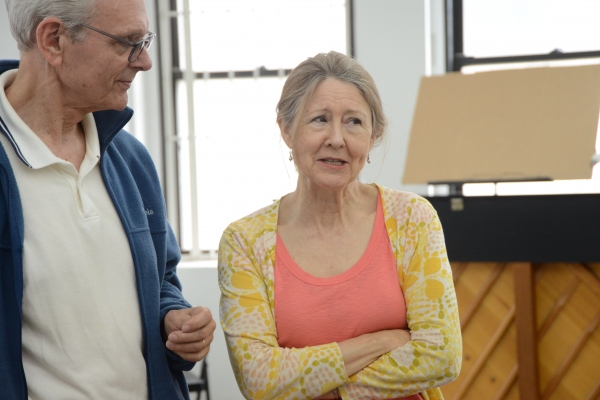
{"type": "Point", "coordinates": [25, 15]}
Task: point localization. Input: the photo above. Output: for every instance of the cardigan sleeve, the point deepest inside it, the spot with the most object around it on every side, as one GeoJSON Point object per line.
{"type": "Point", "coordinates": [264, 370]}
{"type": "Point", "coordinates": [433, 355]}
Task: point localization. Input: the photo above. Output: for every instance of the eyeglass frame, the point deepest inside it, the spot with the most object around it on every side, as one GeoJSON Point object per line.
{"type": "Point", "coordinates": [148, 38]}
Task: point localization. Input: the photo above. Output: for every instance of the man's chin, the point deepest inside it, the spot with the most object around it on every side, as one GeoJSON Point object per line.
{"type": "Point", "coordinates": [121, 104]}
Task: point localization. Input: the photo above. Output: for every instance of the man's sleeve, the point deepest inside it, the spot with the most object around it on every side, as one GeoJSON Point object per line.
{"type": "Point", "coordinates": [171, 297]}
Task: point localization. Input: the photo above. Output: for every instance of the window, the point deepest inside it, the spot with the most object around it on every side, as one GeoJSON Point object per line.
{"type": "Point", "coordinates": [241, 52]}
{"type": "Point", "coordinates": [509, 31]}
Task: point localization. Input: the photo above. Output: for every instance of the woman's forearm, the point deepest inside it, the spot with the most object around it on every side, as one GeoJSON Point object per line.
{"type": "Point", "coordinates": [363, 350]}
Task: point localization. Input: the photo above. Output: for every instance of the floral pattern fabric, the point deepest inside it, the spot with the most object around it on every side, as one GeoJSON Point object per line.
{"type": "Point", "coordinates": [264, 370]}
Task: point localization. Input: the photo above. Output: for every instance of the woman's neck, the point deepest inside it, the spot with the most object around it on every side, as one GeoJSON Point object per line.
{"type": "Point", "coordinates": [317, 206]}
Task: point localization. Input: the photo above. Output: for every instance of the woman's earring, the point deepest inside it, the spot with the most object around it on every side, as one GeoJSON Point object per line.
{"type": "Point", "coordinates": [368, 158]}
{"type": "Point", "coordinates": [291, 156]}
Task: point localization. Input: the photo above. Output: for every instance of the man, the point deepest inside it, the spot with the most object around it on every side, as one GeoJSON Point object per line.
{"type": "Point", "coordinates": [90, 306]}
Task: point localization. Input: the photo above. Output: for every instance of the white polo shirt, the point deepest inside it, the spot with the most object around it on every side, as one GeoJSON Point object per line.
{"type": "Point", "coordinates": [82, 330]}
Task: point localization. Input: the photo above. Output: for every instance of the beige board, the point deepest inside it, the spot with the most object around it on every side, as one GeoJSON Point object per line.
{"type": "Point", "coordinates": [504, 125]}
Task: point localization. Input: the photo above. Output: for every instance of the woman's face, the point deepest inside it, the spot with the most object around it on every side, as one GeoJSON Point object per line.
{"type": "Point", "coordinates": [333, 135]}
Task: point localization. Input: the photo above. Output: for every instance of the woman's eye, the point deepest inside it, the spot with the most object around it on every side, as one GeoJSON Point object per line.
{"type": "Point", "coordinates": [320, 119]}
{"type": "Point", "coordinates": [355, 121]}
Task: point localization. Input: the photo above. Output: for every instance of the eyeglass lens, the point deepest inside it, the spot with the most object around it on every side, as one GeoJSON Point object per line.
{"type": "Point", "coordinates": [140, 46]}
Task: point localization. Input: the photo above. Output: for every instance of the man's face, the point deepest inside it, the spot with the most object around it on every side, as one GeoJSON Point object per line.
{"type": "Point", "coordinates": [95, 73]}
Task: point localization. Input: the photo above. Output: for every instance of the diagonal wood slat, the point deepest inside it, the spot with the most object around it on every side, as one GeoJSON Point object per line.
{"type": "Point", "coordinates": [481, 360]}
{"type": "Point", "coordinates": [483, 291]}
{"type": "Point", "coordinates": [508, 383]}
{"type": "Point", "coordinates": [595, 393]}
{"type": "Point", "coordinates": [575, 350]}
{"type": "Point", "coordinates": [587, 277]}
{"type": "Point", "coordinates": [559, 305]}
{"type": "Point", "coordinates": [458, 270]}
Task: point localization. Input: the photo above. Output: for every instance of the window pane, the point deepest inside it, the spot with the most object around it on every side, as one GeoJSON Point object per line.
{"type": "Point", "coordinates": [517, 27]}
{"type": "Point", "coordinates": [242, 162]}
{"type": "Point", "coordinates": [247, 34]}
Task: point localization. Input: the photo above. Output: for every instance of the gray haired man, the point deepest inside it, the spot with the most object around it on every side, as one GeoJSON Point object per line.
{"type": "Point", "coordinates": [90, 305]}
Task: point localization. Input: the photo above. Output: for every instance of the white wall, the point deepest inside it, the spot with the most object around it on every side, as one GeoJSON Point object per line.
{"type": "Point", "coordinates": [397, 42]}
{"type": "Point", "coordinates": [200, 288]}
{"type": "Point", "coordinates": [8, 47]}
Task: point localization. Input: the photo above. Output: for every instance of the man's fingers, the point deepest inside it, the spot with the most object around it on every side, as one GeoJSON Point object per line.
{"type": "Point", "coordinates": [192, 351]}
{"type": "Point", "coordinates": [175, 319]}
{"type": "Point", "coordinates": [195, 346]}
{"type": "Point", "coordinates": [198, 318]}
{"type": "Point", "coordinates": [193, 336]}
{"type": "Point", "coordinates": [187, 319]}
{"type": "Point", "coordinates": [193, 356]}
{"type": "Point", "coordinates": [198, 310]}
{"type": "Point", "coordinates": [190, 332]}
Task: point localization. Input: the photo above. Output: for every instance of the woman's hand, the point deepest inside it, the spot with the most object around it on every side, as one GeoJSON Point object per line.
{"type": "Point", "coordinates": [363, 350]}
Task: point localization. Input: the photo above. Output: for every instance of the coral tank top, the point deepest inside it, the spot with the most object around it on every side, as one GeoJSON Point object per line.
{"type": "Point", "coordinates": [311, 311]}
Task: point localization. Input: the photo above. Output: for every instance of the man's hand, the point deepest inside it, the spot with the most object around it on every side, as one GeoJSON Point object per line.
{"type": "Point", "coordinates": [190, 332]}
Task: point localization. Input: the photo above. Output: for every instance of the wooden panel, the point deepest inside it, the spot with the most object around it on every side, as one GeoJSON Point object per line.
{"type": "Point", "coordinates": [497, 367]}
{"type": "Point", "coordinates": [526, 331]}
{"type": "Point", "coordinates": [489, 286]}
{"type": "Point", "coordinates": [574, 378]}
{"type": "Point", "coordinates": [595, 269]}
{"type": "Point", "coordinates": [567, 327]}
{"type": "Point", "coordinates": [513, 394]}
{"type": "Point", "coordinates": [565, 371]}
{"type": "Point", "coordinates": [580, 380]}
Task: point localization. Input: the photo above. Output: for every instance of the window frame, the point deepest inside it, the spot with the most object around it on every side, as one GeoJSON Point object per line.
{"type": "Point", "coordinates": [456, 59]}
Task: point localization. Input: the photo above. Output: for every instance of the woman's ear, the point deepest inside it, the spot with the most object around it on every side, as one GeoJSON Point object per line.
{"type": "Point", "coordinates": [372, 143]}
{"type": "Point", "coordinates": [285, 133]}
{"type": "Point", "coordinates": [51, 39]}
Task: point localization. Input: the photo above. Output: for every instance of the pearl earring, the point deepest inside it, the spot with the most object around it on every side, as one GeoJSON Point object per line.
{"type": "Point", "coordinates": [368, 158]}
{"type": "Point", "coordinates": [291, 156]}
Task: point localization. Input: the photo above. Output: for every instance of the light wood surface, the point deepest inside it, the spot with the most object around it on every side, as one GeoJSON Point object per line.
{"type": "Point", "coordinates": [562, 314]}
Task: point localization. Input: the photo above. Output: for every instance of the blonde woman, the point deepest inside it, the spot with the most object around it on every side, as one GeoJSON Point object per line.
{"type": "Point", "coordinates": [340, 289]}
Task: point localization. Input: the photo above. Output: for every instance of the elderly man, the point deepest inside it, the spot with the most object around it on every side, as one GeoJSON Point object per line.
{"type": "Point", "coordinates": [90, 306]}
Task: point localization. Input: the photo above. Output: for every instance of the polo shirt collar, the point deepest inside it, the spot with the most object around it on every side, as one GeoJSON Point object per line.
{"type": "Point", "coordinates": [30, 149]}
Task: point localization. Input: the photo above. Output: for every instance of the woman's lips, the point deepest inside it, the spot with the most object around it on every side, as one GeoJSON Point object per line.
{"type": "Point", "coordinates": [333, 161]}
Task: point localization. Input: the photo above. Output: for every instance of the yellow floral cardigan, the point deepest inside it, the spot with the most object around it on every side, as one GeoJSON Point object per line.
{"type": "Point", "coordinates": [266, 371]}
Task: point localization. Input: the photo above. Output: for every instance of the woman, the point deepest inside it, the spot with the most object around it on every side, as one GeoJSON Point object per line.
{"type": "Point", "coordinates": [340, 289]}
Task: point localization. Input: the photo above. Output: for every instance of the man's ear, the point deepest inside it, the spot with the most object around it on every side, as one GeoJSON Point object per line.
{"type": "Point", "coordinates": [286, 134]}
{"type": "Point", "coordinates": [51, 39]}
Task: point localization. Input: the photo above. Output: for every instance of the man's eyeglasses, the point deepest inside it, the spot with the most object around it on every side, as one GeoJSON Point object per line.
{"type": "Point", "coordinates": [138, 47]}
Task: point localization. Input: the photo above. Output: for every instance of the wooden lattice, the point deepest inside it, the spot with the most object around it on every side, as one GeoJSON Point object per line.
{"type": "Point", "coordinates": [565, 332]}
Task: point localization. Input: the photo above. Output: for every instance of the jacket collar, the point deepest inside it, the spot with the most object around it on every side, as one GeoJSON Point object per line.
{"type": "Point", "coordinates": [108, 122]}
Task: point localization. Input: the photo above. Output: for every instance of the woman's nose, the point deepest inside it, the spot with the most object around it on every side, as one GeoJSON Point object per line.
{"type": "Point", "coordinates": [336, 136]}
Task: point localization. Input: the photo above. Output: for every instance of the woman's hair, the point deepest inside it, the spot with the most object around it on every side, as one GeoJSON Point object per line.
{"type": "Point", "coordinates": [303, 79]}
{"type": "Point", "coordinates": [25, 15]}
